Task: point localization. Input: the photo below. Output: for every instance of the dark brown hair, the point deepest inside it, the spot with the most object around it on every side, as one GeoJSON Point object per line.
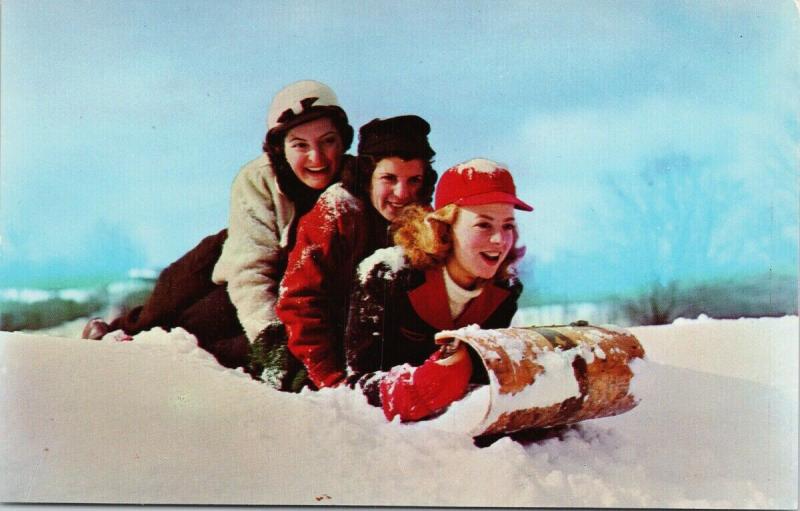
{"type": "Point", "coordinates": [301, 195]}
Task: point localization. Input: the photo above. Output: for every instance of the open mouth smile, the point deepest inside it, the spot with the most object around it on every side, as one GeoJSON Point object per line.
{"type": "Point", "coordinates": [491, 257]}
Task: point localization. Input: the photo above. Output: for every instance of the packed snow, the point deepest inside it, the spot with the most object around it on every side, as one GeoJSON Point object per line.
{"type": "Point", "coordinates": [157, 420]}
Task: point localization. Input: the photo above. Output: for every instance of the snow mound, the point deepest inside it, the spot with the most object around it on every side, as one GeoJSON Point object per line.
{"type": "Point", "coordinates": [761, 350]}
{"type": "Point", "coordinates": [157, 421]}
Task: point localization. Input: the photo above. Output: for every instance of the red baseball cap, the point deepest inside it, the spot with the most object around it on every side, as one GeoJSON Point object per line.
{"type": "Point", "coordinates": [476, 182]}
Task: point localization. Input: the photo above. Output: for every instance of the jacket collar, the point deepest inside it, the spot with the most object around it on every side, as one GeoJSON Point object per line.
{"type": "Point", "coordinates": [431, 304]}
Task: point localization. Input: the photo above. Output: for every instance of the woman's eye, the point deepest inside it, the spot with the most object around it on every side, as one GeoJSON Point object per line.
{"type": "Point", "coordinates": [415, 180]}
{"type": "Point", "coordinates": [388, 178]}
{"type": "Point", "coordinates": [300, 146]}
{"type": "Point", "coordinates": [509, 227]}
{"type": "Point", "coordinates": [329, 141]}
{"type": "Point", "coordinates": [483, 225]}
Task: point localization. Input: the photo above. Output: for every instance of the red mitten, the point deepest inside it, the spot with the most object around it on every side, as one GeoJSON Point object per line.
{"type": "Point", "coordinates": [397, 393]}
{"type": "Point", "coordinates": [416, 393]}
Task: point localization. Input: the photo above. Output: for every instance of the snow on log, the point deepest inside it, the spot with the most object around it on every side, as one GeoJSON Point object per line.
{"type": "Point", "coordinates": [551, 375]}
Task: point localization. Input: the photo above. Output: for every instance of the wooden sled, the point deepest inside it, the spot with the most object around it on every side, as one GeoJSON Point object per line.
{"type": "Point", "coordinates": [548, 376]}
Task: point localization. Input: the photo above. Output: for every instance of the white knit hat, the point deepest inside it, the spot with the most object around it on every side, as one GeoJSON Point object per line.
{"type": "Point", "coordinates": [295, 99]}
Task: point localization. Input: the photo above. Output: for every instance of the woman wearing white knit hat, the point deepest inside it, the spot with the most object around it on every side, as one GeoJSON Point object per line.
{"type": "Point", "coordinates": [303, 153]}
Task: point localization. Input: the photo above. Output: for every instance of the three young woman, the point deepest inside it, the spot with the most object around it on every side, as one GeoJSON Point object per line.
{"type": "Point", "coordinates": [451, 268]}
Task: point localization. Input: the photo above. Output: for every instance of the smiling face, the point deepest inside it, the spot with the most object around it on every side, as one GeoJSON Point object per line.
{"type": "Point", "coordinates": [395, 183]}
{"type": "Point", "coordinates": [482, 238]}
{"type": "Point", "coordinates": [314, 151]}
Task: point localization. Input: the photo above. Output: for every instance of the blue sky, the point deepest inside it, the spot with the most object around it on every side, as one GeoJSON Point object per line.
{"type": "Point", "coordinates": [124, 123]}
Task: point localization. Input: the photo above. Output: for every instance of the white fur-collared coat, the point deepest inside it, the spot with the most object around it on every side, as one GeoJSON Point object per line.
{"type": "Point", "coordinates": [258, 236]}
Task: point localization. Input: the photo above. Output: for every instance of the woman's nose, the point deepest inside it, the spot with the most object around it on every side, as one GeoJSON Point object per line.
{"type": "Point", "coordinates": [402, 191]}
{"type": "Point", "coordinates": [496, 237]}
{"type": "Point", "coordinates": [316, 157]}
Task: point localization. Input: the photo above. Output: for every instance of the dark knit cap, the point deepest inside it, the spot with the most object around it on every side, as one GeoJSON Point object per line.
{"type": "Point", "coordinates": [405, 136]}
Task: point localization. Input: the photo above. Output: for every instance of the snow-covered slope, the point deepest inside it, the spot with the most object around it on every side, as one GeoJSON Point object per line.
{"type": "Point", "coordinates": [156, 420]}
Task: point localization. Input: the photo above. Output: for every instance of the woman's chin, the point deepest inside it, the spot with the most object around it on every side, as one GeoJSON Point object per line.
{"type": "Point", "coordinates": [317, 182]}
{"type": "Point", "coordinates": [488, 272]}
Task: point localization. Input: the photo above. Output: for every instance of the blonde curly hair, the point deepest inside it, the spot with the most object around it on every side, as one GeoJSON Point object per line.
{"type": "Point", "coordinates": [427, 238]}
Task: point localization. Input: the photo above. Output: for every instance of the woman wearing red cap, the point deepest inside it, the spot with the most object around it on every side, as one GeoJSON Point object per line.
{"type": "Point", "coordinates": [451, 268]}
{"type": "Point", "coordinates": [350, 220]}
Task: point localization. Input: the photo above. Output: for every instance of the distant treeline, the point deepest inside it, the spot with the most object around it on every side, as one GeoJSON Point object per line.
{"type": "Point", "coordinates": [766, 295]}
{"type": "Point", "coordinates": [16, 315]}
{"type": "Point", "coordinates": [754, 296]}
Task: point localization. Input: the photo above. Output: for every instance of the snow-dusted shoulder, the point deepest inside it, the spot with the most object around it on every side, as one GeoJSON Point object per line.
{"type": "Point", "coordinates": [386, 261]}
{"type": "Point", "coordinates": [337, 200]}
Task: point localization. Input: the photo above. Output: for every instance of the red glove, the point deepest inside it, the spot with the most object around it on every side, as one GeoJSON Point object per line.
{"type": "Point", "coordinates": [416, 393]}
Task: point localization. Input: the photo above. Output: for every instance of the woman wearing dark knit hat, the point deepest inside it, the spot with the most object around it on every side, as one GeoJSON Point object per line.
{"type": "Point", "coordinates": [451, 268]}
{"type": "Point", "coordinates": [349, 221]}
{"type": "Point", "coordinates": [303, 153]}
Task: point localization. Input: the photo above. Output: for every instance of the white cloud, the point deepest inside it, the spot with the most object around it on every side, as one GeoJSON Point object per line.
{"type": "Point", "coordinates": [574, 154]}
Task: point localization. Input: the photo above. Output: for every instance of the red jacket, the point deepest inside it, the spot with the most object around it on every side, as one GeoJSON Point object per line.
{"type": "Point", "coordinates": [396, 312]}
{"type": "Point", "coordinates": [393, 320]}
{"type": "Point", "coordinates": [314, 294]}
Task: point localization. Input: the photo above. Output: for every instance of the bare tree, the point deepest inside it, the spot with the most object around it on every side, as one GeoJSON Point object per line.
{"type": "Point", "coordinates": [659, 305]}
{"type": "Point", "coordinates": [680, 219]}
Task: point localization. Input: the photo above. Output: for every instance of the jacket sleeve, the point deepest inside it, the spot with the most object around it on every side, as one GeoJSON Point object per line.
{"type": "Point", "coordinates": [364, 333]}
{"type": "Point", "coordinates": [363, 342]}
{"type": "Point", "coordinates": [379, 282]}
{"type": "Point", "coordinates": [371, 311]}
{"type": "Point", "coordinates": [316, 264]}
{"type": "Point", "coordinates": [250, 260]}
